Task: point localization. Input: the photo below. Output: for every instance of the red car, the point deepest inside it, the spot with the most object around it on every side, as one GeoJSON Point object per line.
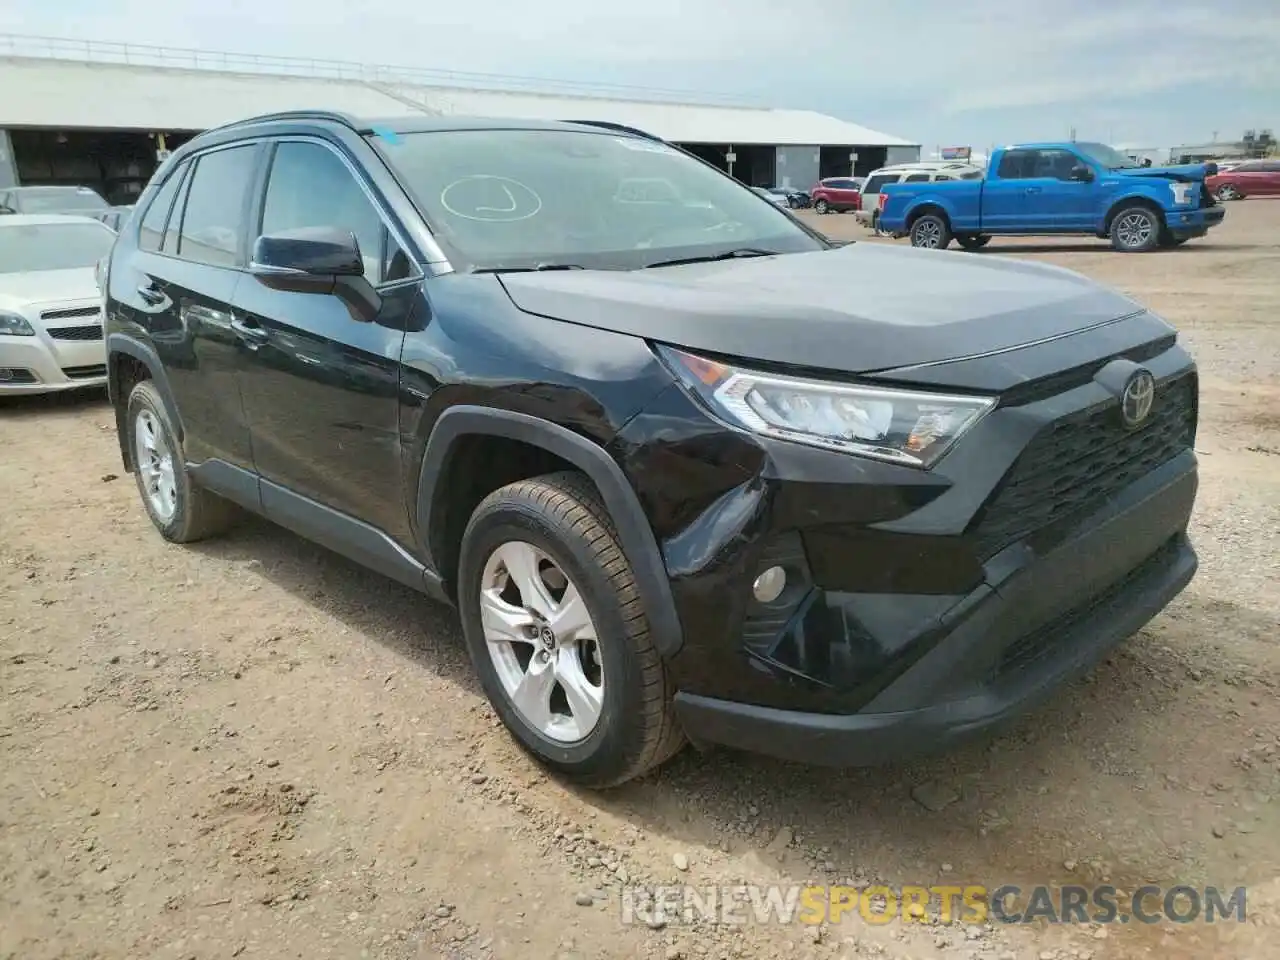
{"type": "Point", "coordinates": [1253, 178]}
{"type": "Point", "coordinates": [837, 194]}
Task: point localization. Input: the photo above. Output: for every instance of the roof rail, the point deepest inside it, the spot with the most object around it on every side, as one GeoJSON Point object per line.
{"type": "Point", "coordinates": [620, 127]}
{"type": "Point", "coordinates": [331, 115]}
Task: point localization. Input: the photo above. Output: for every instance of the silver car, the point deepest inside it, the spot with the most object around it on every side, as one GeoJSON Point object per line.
{"type": "Point", "coordinates": [50, 305]}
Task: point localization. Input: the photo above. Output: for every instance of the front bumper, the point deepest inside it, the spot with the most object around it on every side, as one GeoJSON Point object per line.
{"type": "Point", "coordinates": [40, 364]}
{"type": "Point", "coordinates": [1193, 223]}
{"type": "Point", "coordinates": [990, 667]}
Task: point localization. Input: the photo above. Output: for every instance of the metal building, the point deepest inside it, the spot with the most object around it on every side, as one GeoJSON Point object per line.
{"type": "Point", "coordinates": [100, 114]}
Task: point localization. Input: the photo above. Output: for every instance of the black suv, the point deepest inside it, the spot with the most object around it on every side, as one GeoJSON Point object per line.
{"type": "Point", "coordinates": [687, 469]}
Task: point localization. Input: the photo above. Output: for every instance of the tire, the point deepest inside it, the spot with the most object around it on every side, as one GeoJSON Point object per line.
{"type": "Point", "coordinates": [558, 520]}
{"type": "Point", "coordinates": [820, 206]}
{"type": "Point", "coordinates": [931, 232]}
{"type": "Point", "coordinates": [182, 511]}
{"type": "Point", "coordinates": [1136, 229]}
{"type": "Point", "coordinates": [971, 241]}
{"type": "Point", "coordinates": [1228, 192]}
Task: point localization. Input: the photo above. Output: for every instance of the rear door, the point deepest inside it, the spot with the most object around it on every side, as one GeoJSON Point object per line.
{"type": "Point", "coordinates": [321, 386]}
{"type": "Point", "coordinates": [1269, 178]}
{"type": "Point", "coordinates": [177, 286]}
{"type": "Point", "coordinates": [1013, 201]}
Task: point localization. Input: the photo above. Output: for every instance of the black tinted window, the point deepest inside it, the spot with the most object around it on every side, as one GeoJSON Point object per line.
{"type": "Point", "coordinates": [311, 187]}
{"type": "Point", "coordinates": [1017, 165]}
{"type": "Point", "coordinates": [1270, 166]}
{"type": "Point", "coordinates": [1056, 164]}
{"type": "Point", "coordinates": [915, 178]}
{"type": "Point", "coordinates": [874, 184]}
{"type": "Point", "coordinates": [151, 232]}
{"type": "Point", "coordinates": [213, 218]}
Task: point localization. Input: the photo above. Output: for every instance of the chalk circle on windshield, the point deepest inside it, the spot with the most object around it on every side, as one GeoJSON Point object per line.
{"type": "Point", "coordinates": [490, 199]}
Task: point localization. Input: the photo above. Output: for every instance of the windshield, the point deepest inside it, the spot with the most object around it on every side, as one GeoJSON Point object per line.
{"type": "Point", "coordinates": [1107, 157]}
{"type": "Point", "coordinates": [512, 199]}
{"type": "Point", "coordinates": [30, 247]}
{"type": "Point", "coordinates": [58, 199]}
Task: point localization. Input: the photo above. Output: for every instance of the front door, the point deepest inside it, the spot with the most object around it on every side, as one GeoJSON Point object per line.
{"type": "Point", "coordinates": [321, 382]}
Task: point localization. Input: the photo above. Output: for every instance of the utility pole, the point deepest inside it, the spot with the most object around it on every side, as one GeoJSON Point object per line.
{"type": "Point", "coordinates": [1072, 138]}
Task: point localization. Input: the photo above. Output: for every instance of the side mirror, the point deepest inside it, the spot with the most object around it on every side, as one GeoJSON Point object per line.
{"type": "Point", "coordinates": [317, 260]}
{"type": "Point", "coordinates": [319, 253]}
{"type": "Point", "coordinates": [1081, 173]}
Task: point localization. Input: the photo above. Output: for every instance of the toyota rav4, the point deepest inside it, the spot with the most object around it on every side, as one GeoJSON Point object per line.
{"type": "Point", "coordinates": [683, 472]}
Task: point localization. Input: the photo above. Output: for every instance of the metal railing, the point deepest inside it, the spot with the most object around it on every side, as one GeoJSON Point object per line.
{"type": "Point", "coordinates": [150, 55]}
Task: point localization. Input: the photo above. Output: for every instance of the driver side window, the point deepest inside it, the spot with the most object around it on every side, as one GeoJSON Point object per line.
{"type": "Point", "coordinates": [309, 186]}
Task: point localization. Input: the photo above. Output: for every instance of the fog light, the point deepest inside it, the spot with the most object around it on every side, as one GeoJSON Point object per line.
{"type": "Point", "coordinates": [769, 585]}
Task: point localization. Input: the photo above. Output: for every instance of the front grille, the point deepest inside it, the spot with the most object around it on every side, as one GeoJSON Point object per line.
{"type": "Point", "coordinates": [86, 372]}
{"type": "Point", "coordinates": [70, 313]}
{"type": "Point", "coordinates": [91, 332]}
{"type": "Point", "coordinates": [1040, 643]}
{"type": "Point", "coordinates": [1206, 196]}
{"type": "Point", "coordinates": [1076, 464]}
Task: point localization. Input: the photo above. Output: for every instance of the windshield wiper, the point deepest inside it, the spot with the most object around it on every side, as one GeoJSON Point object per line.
{"type": "Point", "coordinates": [536, 268]}
{"type": "Point", "coordinates": [739, 253]}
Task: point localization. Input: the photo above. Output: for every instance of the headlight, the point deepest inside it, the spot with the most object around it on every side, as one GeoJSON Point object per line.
{"type": "Point", "coordinates": [1181, 192]}
{"type": "Point", "coordinates": [15, 326]}
{"type": "Point", "coordinates": [901, 426]}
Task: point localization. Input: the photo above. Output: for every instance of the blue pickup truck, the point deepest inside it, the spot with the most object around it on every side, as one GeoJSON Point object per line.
{"type": "Point", "coordinates": [1042, 189]}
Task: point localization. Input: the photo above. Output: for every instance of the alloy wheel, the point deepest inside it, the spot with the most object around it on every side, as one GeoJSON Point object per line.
{"type": "Point", "coordinates": [1135, 229]}
{"type": "Point", "coordinates": [542, 642]}
{"type": "Point", "coordinates": [1227, 192]}
{"type": "Point", "coordinates": [155, 463]}
{"type": "Point", "coordinates": [927, 234]}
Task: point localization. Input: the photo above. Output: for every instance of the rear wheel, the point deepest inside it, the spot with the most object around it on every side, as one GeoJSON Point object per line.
{"type": "Point", "coordinates": [1136, 230]}
{"type": "Point", "coordinates": [971, 241]}
{"type": "Point", "coordinates": [558, 635]}
{"type": "Point", "coordinates": [931, 231]}
{"type": "Point", "coordinates": [1228, 191]}
{"type": "Point", "coordinates": [821, 205]}
{"type": "Point", "coordinates": [180, 510]}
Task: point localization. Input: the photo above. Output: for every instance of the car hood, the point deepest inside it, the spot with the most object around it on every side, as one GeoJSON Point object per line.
{"type": "Point", "coordinates": [857, 308]}
{"type": "Point", "coordinates": [1187, 172]}
{"type": "Point", "coordinates": [47, 286]}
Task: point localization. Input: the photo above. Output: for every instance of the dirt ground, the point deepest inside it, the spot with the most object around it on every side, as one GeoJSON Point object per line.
{"type": "Point", "coordinates": [252, 748]}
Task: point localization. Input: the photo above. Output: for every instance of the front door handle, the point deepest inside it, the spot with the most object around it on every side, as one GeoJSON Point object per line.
{"type": "Point", "coordinates": [151, 294]}
{"type": "Point", "coordinates": [1033, 189]}
{"type": "Point", "coordinates": [252, 333]}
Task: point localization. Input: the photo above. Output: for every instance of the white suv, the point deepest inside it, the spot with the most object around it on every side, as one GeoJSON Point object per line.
{"type": "Point", "coordinates": [917, 172]}
{"type": "Point", "coordinates": [50, 305]}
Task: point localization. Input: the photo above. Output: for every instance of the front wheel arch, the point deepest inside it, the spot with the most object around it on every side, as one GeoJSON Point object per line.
{"type": "Point", "coordinates": [635, 533]}
{"type": "Point", "coordinates": [1131, 202]}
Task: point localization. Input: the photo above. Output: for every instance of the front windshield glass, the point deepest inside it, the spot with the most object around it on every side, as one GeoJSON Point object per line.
{"type": "Point", "coordinates": [59, 199]}
{"type": "Point", "coordinates": [1107, 157]}
{"type": "Point", "coordinates": [512, 199]}
{"type": "Point", "coordinates": [31, 247]}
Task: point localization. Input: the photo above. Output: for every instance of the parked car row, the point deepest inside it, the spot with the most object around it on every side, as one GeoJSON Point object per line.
{"type": "Point", "coordinates": [1249, 178]}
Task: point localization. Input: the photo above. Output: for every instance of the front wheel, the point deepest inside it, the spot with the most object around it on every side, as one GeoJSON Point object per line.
{"type": "Point", "coordinates": [1136, 230]}
{"type": "Point", "coordinates": [931, 232]}
{"type": "Point", "coordinates": [972, 242]}
{"type": "Point", "coordinates": [821, 206]}
{"type": "Point", "coordinates": [558, 634]}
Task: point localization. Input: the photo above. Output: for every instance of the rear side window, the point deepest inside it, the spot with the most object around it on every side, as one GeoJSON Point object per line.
{"type": "Point", "coordinates": [213, 216]}
{"type": "Point", "coordinates": [151, 232]}
{"type": "Point", "coordinates": [916, 178]}
{"type": "Point", "coordinates": [877, 181]}
{"type": "Point", "coordinates": [1017, 165]}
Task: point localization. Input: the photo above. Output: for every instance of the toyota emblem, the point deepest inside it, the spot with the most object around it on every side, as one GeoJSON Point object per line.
{"type": "Point", "coordinates": [1135, 402]}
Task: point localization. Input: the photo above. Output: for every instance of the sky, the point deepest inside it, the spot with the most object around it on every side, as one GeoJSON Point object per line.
{"type": "Point", "coordinates": [1144, 73]}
